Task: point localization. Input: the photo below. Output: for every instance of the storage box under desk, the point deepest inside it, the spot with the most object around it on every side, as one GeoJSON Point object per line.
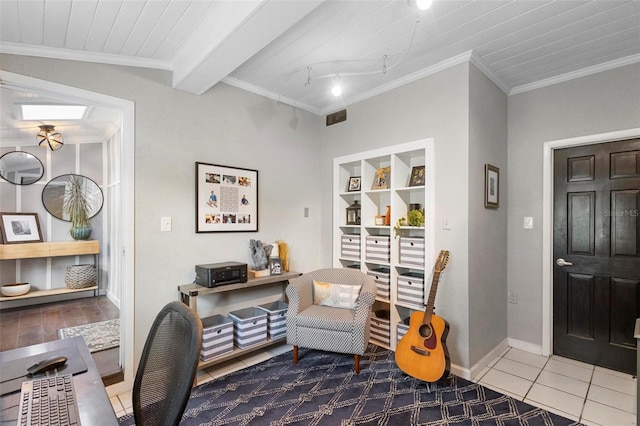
{"type": "Point", "coordinates": [350, 246]}
{"type": "Point", "coordinates": [250, 326]}
{"type": "Point", "coordinates": [411, 288]}
{"type": "Point", "coordinates": [276, 318]}
{"type": "Point", "coordinates": [381, 277]}
{"type": "Point", "coordinates": [217, 336]}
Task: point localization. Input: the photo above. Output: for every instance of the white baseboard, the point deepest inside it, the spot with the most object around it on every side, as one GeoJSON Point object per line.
{"type": "Point", "coordinates": [526, 346]}
{"type": "Point", "coordinates": [486, 360]}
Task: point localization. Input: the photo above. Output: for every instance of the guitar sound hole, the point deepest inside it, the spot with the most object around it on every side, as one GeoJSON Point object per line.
{"type": "Point", "coordinates": [425, 331]}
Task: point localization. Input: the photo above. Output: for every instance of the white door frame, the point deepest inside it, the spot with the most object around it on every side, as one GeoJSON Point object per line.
{"type": "Point", "coordinates": [126, 221]}
{"type": "Point", "coordinates": [547, 220]}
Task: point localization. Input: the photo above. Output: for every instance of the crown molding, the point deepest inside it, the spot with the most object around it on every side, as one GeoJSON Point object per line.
{"type": "Point", "coordinates": [479, 63]}
{"type": "Point", "coordinates": [269, 94]}
{"type": "Point", "coordinates": [628, 60]}
{"type": "Point", "coordinates": [76, 55]}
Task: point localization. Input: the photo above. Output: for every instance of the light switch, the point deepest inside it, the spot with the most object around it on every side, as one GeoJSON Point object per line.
{"type": "Point", "coordinates": [165, 224]}
{"type": "Point", "coordinates": [446, 223]}
{"type": "Point", "coordinates": [528, 222]}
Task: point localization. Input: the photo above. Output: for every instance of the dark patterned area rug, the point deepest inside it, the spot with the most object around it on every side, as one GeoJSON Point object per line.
{"type": "Point", "coordinates": [324, 390]}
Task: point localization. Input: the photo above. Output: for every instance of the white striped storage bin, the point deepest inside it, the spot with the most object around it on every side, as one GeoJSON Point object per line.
{"type": "Point", "coordinates": [402, 329]}
{"type": "Point", "coordinates": [351, 246]}
{"type": "Point", "coordinates": [378, 248]}
{"type": "Point", "coordinates": [382, 279]}
{"type": "Point", "coordinates": [217, 336]}
{"type": "Point", "coordinates": [276, 318]}
{"type": "Point", "coordinates": [250, 326]}
{"type": "Point", "coordinates": [412, 251]}
{"type": "Point", "coordinates": [411, 288]}
{"type": "Point", "coordinates": [380, 331]}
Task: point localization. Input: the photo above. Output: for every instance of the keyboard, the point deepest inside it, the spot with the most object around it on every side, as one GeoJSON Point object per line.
{"type": "Point", "coordinates": [48, 401]}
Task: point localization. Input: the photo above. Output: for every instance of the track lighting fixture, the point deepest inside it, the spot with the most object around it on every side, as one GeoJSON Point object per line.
{"type": "Point", "coordinates": [48, 137]}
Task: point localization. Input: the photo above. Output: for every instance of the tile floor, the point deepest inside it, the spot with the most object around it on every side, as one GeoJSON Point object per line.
{"type": "Point", "coordinates": [581, 392]}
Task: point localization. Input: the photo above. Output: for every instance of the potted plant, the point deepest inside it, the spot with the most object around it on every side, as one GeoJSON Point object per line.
{"type": "Point", "coordinates": [413, 218]}
{"type": "Point", "coordinates": [76, 206]}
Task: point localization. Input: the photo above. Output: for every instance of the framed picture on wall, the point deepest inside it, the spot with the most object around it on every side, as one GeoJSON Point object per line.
{"type": "Point", "coordinates": [491, 187]}
{"type": "Point", "coordinates": [226, 199]}
{"type": "Point", "coordinates": [20, 228]}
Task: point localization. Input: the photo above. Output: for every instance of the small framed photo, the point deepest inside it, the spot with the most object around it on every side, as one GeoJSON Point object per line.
{"type": "Point", "coordinates": [20, 228]}
{"type": "Point", "coordinates": [382, 178]}
{"type": "Point", "coordinates": [417, 176]}
{"type": "Point", "coordinates": [354, 184]}
{"type": "Point", "coordinates": [275, 266]}
{"type": "Point", "coordinates": [491, 187]}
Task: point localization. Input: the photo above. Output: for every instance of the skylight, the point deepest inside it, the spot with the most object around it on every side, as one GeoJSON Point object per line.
{"type": "Point", "coordinates": [52, 112]}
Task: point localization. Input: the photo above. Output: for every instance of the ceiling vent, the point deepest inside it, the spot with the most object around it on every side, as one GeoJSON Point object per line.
{"type": "Point", "coordinates": [337, 117]}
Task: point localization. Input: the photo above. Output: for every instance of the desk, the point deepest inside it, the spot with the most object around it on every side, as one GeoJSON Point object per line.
{"type": "Point", "coordinates": [93, 402]}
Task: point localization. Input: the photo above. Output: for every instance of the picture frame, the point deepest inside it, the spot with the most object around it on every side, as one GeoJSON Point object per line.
{"type": "Point", "coordinates": [226, 198]}
{"type": "Point", "coordinates": [491, 187]}
{"type": "Point", "coordinates": [382, 178]}
{"type": "Point", "coordinates": [354, 184]}
{"type": "Point", "coordinates": [19, 228]}
{"type": "Point", "coordinates": [275, 266]}
{"type": "Point", "coordinates": [418, 177]}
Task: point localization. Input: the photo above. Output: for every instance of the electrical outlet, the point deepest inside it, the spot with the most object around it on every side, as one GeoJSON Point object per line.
{"type": "Point", "coordinates": [513, 297]}
{"type": "Point", "coordinates": [527, 223]}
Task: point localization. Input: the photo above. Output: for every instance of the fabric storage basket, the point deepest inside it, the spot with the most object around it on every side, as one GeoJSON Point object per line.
{"type": "Point", "coordinates": [378, 248]}
{"type": "Point", "coordinates": [80, 276]}
{"type": "Point", "coordinates": [250, 326]}
{"type": "Point", "coordinates": [350, 244]}
{"type": "Point", "coordinates": [380, 331]}
{"type": "Point", "coordinates": [411, 288]}
{"type": "Point", "coordinates": [381, 277]}
{"type": "Point", "coordinates": [217, 336]}
{"type": "Point", "coordinates": [276, 318]}
{"type": "Point", "coordinates": [412, 251]}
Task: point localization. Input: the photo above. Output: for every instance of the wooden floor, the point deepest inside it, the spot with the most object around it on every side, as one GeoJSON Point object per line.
{"type": "Point", "coordinates": [30, 325]}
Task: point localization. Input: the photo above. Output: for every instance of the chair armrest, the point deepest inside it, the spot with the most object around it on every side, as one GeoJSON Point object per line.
{"type": "Point", "coordinates": [299, 292]}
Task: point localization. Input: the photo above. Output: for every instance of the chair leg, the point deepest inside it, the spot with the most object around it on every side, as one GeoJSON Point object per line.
{"type": "Point", "coordinates": [295, 354]}
{"type": "Point", "coordinates": [357, 362]}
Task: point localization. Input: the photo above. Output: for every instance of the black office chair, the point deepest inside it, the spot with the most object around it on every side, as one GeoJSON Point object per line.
{"type": "Point", "coordinates": [167, 367]}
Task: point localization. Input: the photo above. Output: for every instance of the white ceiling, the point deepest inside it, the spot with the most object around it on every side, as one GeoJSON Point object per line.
{"type": "Point", "coordinates": [275, 47]}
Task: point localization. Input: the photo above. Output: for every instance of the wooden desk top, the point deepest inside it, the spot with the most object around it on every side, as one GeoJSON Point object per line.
{"type": "Point", "coordinates": [93, 402]}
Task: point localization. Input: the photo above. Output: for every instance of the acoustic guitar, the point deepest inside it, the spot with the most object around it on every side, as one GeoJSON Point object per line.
{"type": "Point", "coordinates": [422, 352]}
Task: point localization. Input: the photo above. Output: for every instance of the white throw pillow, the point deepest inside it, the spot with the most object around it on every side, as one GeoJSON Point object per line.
{"type": "Point", "coordinates": [335, 295]}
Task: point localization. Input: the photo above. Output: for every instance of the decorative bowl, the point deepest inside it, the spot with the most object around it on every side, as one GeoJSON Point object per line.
{"type": "Point", "coordinates": [16, 289]}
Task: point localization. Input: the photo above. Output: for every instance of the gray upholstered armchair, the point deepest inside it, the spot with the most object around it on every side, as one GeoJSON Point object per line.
{"type": "Point", "coordinates": [328, 328]}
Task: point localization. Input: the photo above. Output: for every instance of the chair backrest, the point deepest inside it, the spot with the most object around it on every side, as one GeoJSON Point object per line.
{"type": "Point", "coordinates": [168, 366]}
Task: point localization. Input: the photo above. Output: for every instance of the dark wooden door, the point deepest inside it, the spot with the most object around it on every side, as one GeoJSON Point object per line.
{"type": "Point", "coordinates": [596, 296]}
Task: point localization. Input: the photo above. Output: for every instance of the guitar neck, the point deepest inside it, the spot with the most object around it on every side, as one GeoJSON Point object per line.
{"type": "Point", "coordinates": [432, 298]}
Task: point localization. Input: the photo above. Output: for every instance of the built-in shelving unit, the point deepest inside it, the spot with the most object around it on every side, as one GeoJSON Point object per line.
{"type": "Point", "coordinates": [50, 249]}
{"type": "Point", "coordinates": [398, 196]}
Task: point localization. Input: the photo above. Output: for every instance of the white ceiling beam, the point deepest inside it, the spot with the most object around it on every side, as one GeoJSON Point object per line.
{"type": "Point", "coordinates": [230, 34]}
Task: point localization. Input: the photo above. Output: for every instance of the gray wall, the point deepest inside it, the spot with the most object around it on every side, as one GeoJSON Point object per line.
{"type": "Point", "coordinates": [174, 129]}
{"type": "Point", "coordinates": [487, 227]}
{"type": "Point", "coordinates": [600, 103]}
{"type": "Point", "coordinates": [436, 106]}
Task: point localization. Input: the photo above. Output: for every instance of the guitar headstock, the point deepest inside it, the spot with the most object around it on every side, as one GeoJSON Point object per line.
{"type": "Point", "coordinates": [442, 261]}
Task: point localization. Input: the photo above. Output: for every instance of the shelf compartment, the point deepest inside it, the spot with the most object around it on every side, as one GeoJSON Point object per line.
{"type": "Point", "coordinates": [350, 246]}
{"type": "Point", "coordinates": [411, 288]}
{"type": "Point", "coordinates": [382, 277]}
{"type": "Point", "coordinates": [378, 248]}
{"type": "Point", "coordinates": [412, 251]}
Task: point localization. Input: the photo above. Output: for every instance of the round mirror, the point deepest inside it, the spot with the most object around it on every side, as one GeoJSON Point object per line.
{"type": "Point", "coordinates": [61, 188]}
{"type": "Point", "coordinates": [21, 168]}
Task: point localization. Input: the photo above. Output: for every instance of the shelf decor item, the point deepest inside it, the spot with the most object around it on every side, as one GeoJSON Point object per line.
{"type": "Point", "coordinates": [491, 187]}
{"type": "Point", "coordinates": [80, 276]}
{"type": "Point", "coordinates": [417, 176]}
{"type": "Point", "coordinates": [226, 199]}
{"type": "Point", "coordinates": [354, 184]}
{"type": "Point", "coordinates": [382, 177]}
{"type": "Point", "coordinates": [76, 206]}
{"type": "Point", "coordinates": [413, 218]}
{"type": "Point", "coordinates": [353, 213]}
{"type": "Point", "coordinates": [20, 228]}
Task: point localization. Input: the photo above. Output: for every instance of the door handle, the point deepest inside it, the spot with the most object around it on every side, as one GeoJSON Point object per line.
{"type": "Point", "coordinates": [561, 262]}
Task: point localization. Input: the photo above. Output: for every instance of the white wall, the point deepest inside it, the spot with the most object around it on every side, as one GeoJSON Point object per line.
{"type": "Point", "coordinates": [436, 106]}
{"type": "Point", "coordinates": [487, 227]}
{"type": "Point", "coordinates": [600, 103]}
{"type": "Point", "coordinates": [174, 129]}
